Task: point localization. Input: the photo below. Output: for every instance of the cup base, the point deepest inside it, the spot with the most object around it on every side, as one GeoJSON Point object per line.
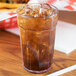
{"type": "Point", "coordinates": [32, 71]}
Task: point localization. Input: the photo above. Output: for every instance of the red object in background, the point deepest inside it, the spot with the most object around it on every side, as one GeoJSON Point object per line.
{"type": "Point", "coordinates": [9, 23]}
{"type": "Point", "coordinates": [12, 13]}
{"type": "Point", "coordinates": [51, 1]}
{"type": "Point", "coordinates": [1, 24]}
{"type": "Point", "coordinates": [69, 7]}
{"type": "Point", "coordinates": [70, 3]}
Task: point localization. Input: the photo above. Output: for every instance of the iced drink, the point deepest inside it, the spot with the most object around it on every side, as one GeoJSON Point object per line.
{"type": "Point", "coordinates": [37, 23]}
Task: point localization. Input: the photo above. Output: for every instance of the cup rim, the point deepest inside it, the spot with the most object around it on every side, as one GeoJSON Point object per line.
{"type": "Point", "coordinates": [56, 11]}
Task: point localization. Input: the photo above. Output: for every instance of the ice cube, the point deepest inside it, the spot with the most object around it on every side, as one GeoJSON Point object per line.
{"type": "Point", "coordinates": [36, 15]}
{"type": "Point", "coordinates": [33, 1]}
{"type": "Point", "coordinates": [36, 10]}
{"type": "Point", "coordinates": [41, 10]}
{"type": "Point", "coordinates": [28, 12]}
{"type": "Point", "coordinates": [21, 11]}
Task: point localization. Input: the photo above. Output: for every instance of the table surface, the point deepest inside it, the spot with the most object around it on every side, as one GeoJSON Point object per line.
{"type": "Point", "coordinates": [11, 61]}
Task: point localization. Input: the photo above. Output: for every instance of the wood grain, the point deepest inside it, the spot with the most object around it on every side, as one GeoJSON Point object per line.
{"type": "Point", "coordinates": [71, 73]}
{"type": "Point", "coordinates": [68, 16]}
{"type": "Point", "coordinates": [11, 61]}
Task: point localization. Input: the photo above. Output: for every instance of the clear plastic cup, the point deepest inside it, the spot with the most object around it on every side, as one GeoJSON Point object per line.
{"type": "Point", "coordinates": [37, 36]}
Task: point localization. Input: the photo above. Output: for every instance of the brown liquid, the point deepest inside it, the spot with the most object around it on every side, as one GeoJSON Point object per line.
{"type": "Point", "coordinates": [37, 48]}
{"type": "Point", "coordinates": [37, 28]}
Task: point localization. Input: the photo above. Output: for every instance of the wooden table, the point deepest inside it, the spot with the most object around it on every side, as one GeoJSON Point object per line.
{"type": "Point", "coordinates": [11, 61]}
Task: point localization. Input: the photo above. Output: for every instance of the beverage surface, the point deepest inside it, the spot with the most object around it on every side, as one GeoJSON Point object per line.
{"type": "Point", "coordinates": [37, 17]}
{"type": "Point", "coordinates": [36, 10]}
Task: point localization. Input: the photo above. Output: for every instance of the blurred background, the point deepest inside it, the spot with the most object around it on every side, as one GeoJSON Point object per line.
{"type": "Point", "coordinates": [14, 1]}
{"type": "Point", "coordinates": [65, 42]}
{"type": "Point", "coordinates": [66, 23]}
{"type": "Point", "coordinates": [67, 10]}
{"type": "Point", "coordinates": [7, 8]}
